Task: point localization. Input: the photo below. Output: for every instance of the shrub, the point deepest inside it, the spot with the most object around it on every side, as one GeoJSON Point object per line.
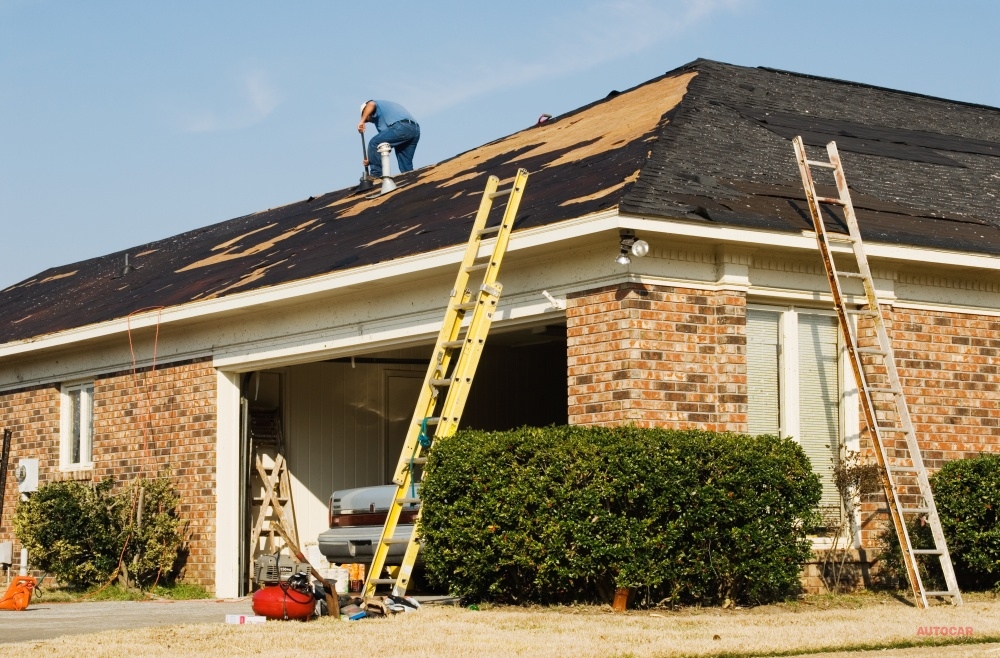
{"type": "Point", "coordinates": [69, 530]}
{"type": "Point", "coordinates": [967, 493]}
{"type": "Point", "coordinates": [84, 534]}
{"type": "Point", "coordinates": [562, 514]}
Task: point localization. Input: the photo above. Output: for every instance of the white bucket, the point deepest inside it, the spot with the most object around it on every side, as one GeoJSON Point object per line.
{"type": "Point", "coordinates": [341, 576]}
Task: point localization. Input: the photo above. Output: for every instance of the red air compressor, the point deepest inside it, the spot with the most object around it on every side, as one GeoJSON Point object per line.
{"type": "Point", "coordinates": [284, 591]}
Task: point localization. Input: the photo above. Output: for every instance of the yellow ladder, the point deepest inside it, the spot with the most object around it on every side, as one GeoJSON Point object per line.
{"type": "Point", "coordinates": [453, 365]}
{"type": "Point", "coordinates": [899, 454]}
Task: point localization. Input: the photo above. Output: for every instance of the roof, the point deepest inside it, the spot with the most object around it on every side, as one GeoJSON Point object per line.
{"type": "Point", "coordinates": [708, 142]}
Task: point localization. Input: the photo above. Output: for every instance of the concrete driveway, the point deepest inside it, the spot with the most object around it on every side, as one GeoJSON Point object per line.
{"type": "Point", "coordinates": [44, 621]}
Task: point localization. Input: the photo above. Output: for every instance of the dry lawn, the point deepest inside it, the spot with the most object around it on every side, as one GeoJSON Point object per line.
{"type": "Point", "coordinates": [573, 632]}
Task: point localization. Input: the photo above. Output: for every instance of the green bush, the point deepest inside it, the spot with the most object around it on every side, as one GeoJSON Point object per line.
{"type": "Point", "coordinates": [967, 493]}
{"type": "Point", "coordinates": [563, 514]}
{"type": "Point", "coordinates": [78, 532]}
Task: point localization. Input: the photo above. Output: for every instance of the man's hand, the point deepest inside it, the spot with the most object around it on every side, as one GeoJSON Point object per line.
{"type": "Point", "coordinates": [366, 162]}
{"type": "Point", "coordinates": [361, 126]}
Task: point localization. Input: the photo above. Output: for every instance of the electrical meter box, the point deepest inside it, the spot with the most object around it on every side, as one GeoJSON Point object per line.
{"type": "Point", "coordinates": [27, 475]}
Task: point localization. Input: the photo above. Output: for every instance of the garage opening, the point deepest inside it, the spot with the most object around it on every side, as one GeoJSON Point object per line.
{"type": "Point", "coordinates": [343, 421]}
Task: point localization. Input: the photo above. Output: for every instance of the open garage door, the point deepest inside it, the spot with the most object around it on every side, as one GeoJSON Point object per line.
{"type": "Point", "coordinates": [345, 419]}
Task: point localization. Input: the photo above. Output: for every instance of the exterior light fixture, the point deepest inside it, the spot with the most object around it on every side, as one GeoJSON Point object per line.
{"type": "Point", "coordinates": [631, 245]}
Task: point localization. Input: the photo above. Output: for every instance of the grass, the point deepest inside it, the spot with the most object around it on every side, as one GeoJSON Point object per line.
{"type": "Point", "coordinates": [174, 591]}
{"type": "Point", "coordinates": [813, 625]}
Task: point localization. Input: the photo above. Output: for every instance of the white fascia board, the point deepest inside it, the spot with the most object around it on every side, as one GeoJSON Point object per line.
{"type": "Point", "coordinates": [806, 240]}
{"type": "Point", "coordinates": [524, 239]}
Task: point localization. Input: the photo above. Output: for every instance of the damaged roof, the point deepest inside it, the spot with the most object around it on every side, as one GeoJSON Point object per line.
{"type": "Point", "coordinates": [708, 142]}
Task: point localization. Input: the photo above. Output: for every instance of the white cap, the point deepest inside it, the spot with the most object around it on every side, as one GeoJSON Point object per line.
{"type": "Point", "coordinates": [363, 106]}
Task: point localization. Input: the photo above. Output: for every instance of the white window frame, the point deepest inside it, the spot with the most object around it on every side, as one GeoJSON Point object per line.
{"type": "Point", "coordinates": [788, 378]}
{"type": "Point", "coordinates": [86, 389]}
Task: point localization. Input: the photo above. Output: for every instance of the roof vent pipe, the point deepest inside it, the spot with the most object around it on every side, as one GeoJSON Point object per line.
{"type": "Point", "coordinates": [388, 185]}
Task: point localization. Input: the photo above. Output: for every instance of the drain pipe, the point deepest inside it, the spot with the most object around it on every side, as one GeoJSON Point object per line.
{"type": "Point", "coordinates": [388, 185]}
{"type": "Point", "coordinates": [24, 562]}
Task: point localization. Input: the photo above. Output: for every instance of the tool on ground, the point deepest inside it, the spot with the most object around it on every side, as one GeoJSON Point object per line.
{"type": "Point", "coordinates": [18, 594]}
{"type": "Point", "coordinates": [285, 592]}
{"type": "Point", "coordinates": [366, 183]}
{"type": "Point", "coordinates": [455, 357]}
{"type": "Point", "coordinates": [896, 448]}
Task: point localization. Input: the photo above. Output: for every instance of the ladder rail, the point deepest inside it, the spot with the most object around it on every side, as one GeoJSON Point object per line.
{"type": "Point", "coordinates": [904, 422]}
{"type": "Point", "coordinates": [482, 303]}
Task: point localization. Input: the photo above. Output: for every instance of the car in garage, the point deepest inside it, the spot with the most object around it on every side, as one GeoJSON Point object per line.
{"type": "Point", "coordinates": [356, 519]}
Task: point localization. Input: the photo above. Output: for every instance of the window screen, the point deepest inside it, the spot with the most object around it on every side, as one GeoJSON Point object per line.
{"type": "Point", "coordinates": [819, 401]}
{"type": "Point", "coordinates": [763, 392]}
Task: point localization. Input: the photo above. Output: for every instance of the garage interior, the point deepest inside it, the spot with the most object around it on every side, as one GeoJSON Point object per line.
{"type": "Point", "coordinates": [344, 420]}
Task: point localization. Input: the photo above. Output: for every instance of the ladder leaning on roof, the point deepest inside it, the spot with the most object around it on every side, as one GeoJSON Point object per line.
{"type": "Point", "coordinates": [900, 456]}
{"type": "Point", "coordinates": [453, 365]}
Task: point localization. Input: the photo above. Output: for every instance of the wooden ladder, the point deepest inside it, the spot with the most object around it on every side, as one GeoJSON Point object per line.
{"type": "Point", "coordinates": [899, 456]}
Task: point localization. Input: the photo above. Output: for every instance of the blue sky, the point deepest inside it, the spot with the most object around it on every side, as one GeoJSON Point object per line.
{"type": "Point", "coordinates": [126, 122]}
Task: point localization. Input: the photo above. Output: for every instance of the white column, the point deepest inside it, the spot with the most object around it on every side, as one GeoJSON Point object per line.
{"type": "Point", "coordinates": [227, 496]}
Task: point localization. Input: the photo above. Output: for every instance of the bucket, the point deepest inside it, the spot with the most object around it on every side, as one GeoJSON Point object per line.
{"type": "Point", "coordinates": [340, 576]}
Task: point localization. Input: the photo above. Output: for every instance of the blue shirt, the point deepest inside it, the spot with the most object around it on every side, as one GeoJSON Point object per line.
{"type": "Point", "coordinates": [388, 113]}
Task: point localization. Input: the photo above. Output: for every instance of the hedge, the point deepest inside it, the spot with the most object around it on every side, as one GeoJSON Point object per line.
{"type": "Point", "coordinates": [561, 514]}
{"type": "Point", "coordinates": [967, 494]}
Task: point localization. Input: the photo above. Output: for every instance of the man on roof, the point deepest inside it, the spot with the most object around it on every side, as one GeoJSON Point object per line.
{"type": "Point", "coordinates": [397, 127]}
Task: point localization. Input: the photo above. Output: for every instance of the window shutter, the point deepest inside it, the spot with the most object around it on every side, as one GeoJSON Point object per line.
{"type": "Point", "coordinates": [763, 393]}
{"type": "Point", "coordinates": [819, 402]}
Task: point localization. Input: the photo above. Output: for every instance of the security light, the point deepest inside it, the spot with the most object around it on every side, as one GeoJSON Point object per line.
{"type": "Point", "coordinates": [630, 245]}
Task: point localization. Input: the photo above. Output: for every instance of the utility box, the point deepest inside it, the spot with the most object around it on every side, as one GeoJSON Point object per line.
{"type": "Point", "coordinates": [6, 554]}
{"type": "Point", "coordinates": [27, 475]}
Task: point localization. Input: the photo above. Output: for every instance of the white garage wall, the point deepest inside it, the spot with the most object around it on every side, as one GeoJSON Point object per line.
{"type": "Point", "coordinates": [335, 432]}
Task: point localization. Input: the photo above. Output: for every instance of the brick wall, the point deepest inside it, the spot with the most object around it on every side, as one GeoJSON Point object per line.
{"type": "Point", "coordinates": [144, 425]}
{"type": "Point", "coordinates": [949, 365]}
{"type": "Point", "coordinates": [657, 356]}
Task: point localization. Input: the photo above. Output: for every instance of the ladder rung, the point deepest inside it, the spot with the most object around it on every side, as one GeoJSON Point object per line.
{"type": "Point", "coordinates": [871, 350]}
{"type": "Point", "coordinates": [893, 391]}
{"type": "Point", "coordinates": [946, 593]}
{"type": "Point", "coordinates": [927, 551]}
{"type": "Point", "coordinates": [419, 460]}
{"type": "Point", "coordinates": [829, 199]}
{"type": "Point", "coordinates": [387, 542]}
{"type": "Point", "coordinates": [478, 266]}
{"type": "Point", "coordinates": [864, 312]}
{"type": "Point", "coordinates": [465, 306]}
{"type": "Point", "coordinates": [383, 581]}
{"type": "Point", "coordinates": [904, 469]}
{"type": "Point", "coordinates": [915, 510]}
{"type": "Point", "coordinates": [838, 237]}
{"type": "Point", "coordinates": [901, 430]}
{"type": "Point", "coordinates": [431, 420]}
{"type": "Point", "coordinates": [852, 275]}
{"type": "Point", "coordinates": [500, 193]}
{"type": "Point", "coordinates": [407, 501]}
{"type": "Point", "coordinates": [442, 382]}
{"type": "Point", "coordinates": [453, 344]}
{"type": "Point", "coordinates": [488, 230]}
{"type": "Point", "coordinates": [820, 163]}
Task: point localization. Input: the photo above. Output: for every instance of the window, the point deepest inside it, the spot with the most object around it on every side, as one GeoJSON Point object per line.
{"type": "Point", "coordinates": [77, 426]}
{"type": "Point", "coordinates": [795, 386]}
